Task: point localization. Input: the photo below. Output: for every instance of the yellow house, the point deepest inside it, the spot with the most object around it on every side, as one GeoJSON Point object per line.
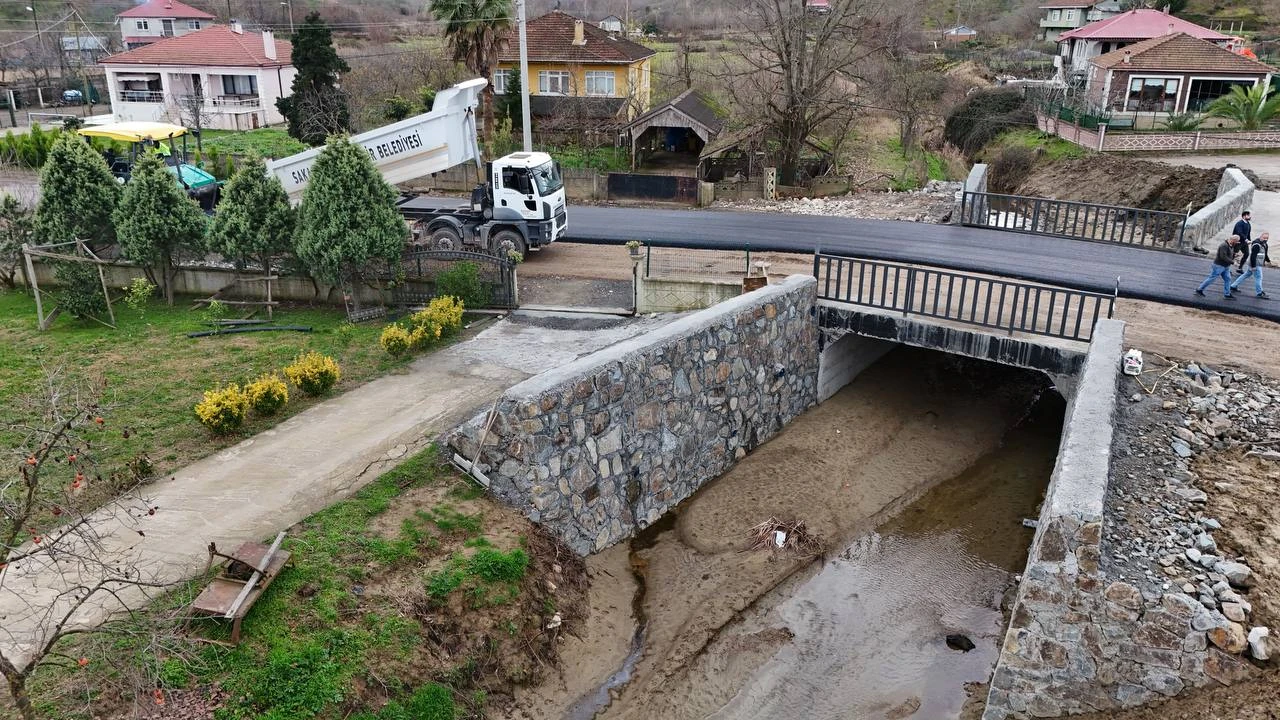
{"type": "Point", "coordinates": [578, 72]}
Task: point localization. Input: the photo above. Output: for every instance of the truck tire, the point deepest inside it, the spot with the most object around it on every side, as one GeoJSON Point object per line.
{"type": "Point", "coordinates": [445, 238]}
{"type": "Point", "coordinates": [506, 242]}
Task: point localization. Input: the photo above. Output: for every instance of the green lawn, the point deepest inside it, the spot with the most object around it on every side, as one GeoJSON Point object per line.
{"type": "Point", "coordinates": [414, 600]}
{"type": "Point", "coordinates": [264, 142]}
{"type": "Point", "coordinates": [1053, 147]}
{"type": "Point", "coordinates": [155, 374]}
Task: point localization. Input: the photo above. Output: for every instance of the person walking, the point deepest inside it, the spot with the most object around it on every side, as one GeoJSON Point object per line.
{"type": "Point", "coordinates": [1222, 262]}
{"type": "Point", "coordinates": [1257, 255]}
{"type": "Point", "coordinates": [1243, 230]}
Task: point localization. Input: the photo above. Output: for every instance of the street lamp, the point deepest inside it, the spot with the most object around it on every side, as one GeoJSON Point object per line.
{"type": "Point", "coordinates": [39, 37]}
{"type": "Point", "coordinates": [290, 6]}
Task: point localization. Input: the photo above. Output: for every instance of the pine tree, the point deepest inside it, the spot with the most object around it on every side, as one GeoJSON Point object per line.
{"type": "Point", "coordinates": [157, 222]}
{"type": "Point", "coordinates": [512, 105]}
{"type": "Point", "coordinates": [78, 194]}
{"type": "Point", "coordinates": [348, 217]}
{"type": "Point", "coordinates": [316, 107]}
{"type": "Point", "coordinates": [254, 220]}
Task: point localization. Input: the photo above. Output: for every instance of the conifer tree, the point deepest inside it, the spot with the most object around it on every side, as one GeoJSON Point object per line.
{"type": "Point", "coordinates": [157, 222]}
{"type": "Point", "coordinates": [316, 107]}
{"type": "Point", "coordinates": [254, 220]}
{"type": "Point", "coordinates": [78, 194]}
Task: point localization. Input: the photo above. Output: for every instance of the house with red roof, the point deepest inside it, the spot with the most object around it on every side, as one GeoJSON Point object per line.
{"type": "Point", "coordinates": [230, 76]}
{"type": "Point", "coordinates": [1062, 16]}
{"type": "Point", "coordinates": [158, 19]}
{"type": "Point", "coordinates": [1077, 47]}
{"type": "Point", "coordinates": [1176, 73]}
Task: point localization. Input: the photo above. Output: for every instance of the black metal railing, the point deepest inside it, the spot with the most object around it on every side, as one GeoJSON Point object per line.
{"type": "Point", "coordinates": [962, 297]}
{"type": "Point", "coordinates": [1155, 229]}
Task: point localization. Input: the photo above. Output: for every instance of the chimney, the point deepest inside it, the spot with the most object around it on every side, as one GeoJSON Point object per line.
{"type": "Point", "coordinates": [236, 27]}
{"type": "Point", "coordinates": [1128, 55]}
{"type": "Point", "coordinates": [579, 38]}
{"type": "Point", "coordinates": [269, 44]}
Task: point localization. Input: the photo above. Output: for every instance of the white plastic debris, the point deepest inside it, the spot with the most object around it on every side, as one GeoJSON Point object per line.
{"type": "Point", "coordinates": [555, 622]}
{"type": "Point", "coordinates": [779, 538]}
{"type": "Point", "coordinates": [1133, 362]}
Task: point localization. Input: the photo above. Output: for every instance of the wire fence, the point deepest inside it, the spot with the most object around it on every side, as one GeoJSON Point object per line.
{"type": "Point", "coordinates": [685, 263]}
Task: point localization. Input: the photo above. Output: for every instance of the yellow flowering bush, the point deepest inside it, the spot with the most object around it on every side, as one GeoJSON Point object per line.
{"type": "Point", "coordinates": [267, 394]}
{"type": "Point", "coordinates": [443, 312]}
{"type": "Point", "coordinates": [313, 373]}
{"type": "Point", "coordinates": [424, 335]}
{"type": "Point", "coordinates": [395, 340]}
{"type": "Point", "coordinates": [223, 409]}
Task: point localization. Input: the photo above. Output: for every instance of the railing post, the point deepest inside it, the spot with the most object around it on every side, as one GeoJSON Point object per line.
{"type": "Point", "coordinates": [964, 204]}
{"type": "Point", "coordinates": [911, 291]}
{"type": "Point", "coordinates": [1111, 306]}
{"type": "Point", "coordinates": [648, 252]}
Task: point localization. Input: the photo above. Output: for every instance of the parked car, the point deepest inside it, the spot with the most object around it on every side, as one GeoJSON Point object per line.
{"type": "Point", "coordinates": [72, 97]}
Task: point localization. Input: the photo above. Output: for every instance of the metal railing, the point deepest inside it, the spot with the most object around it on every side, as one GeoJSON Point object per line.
{"type": "Point", "coordinates": [1155, 229]}
{"type": "Point", "coordinates": [141, 96]}
{"type": "Point", "coordinates": [236, 102]}
{"type": "Point", "coordinates": [961, 297]}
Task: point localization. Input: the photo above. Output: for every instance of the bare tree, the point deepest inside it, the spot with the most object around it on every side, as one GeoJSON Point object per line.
{"type": "Point", "coordinates": [799, 71]}
{"type": "Point", "coordinates": [909, 89]}
{"type": "Point", "coordinates": [57, 563]}
{"type": "Point", "coordinates": [193, 111]}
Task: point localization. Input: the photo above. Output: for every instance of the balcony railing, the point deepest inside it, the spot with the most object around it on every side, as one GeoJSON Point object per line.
{"type": "Point", "coordinates": [1060, 23]}
{"type": "Point", "coordinates": [236, 102]}
{"type": "Point", "coordinates": [141, 96]}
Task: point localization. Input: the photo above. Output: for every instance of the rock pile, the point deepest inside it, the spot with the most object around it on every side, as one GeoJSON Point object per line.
{"type": "Point", "coordinates": [1158, 536]}
{"type": "Point", "coordinates": [931, 204]}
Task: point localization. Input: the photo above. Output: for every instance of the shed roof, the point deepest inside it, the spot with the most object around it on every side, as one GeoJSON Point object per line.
{"type": "Point", "coordinates": [1179, 52]}
{"type": "Point", "coordinates": [691, 105]}
{"type": "Point", "coordinates": [217, 45]}
{"type": "Point", "coordinates": [549, 38]}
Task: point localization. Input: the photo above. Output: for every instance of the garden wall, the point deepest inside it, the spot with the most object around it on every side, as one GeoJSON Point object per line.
{"type": "Point", "coordinates": [1105, 139]}
{"type": "Point", "coordinates": [601, 448]}
{"type": "Point", "coordinates": [1235, 195]}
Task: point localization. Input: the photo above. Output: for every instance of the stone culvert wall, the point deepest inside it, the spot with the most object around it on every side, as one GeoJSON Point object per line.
{"type": "Point", "coordinates": [1079, 641]}
{"type": "Point", "coordinates": [1235, 195]}
{"type": "Point", "coordinates": [602, 447]}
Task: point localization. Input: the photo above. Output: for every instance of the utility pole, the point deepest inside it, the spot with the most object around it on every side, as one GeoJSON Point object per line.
{"type": "Point", "coordinates": [289, 4]}
{"type": "Point", "coordinates": [39, 37]}
{"type": "Point", "coordinates": [229, 15]}
{"type": "Point", "coordinates": [84, 77]}
{"type": "Point", "coordinates": [526, 123]}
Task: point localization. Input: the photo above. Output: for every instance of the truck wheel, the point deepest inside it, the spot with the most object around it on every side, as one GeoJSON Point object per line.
{"type": "Point", "coordinates": [506, 242]}
{"type": "Point", "coordinates": [446, 238]}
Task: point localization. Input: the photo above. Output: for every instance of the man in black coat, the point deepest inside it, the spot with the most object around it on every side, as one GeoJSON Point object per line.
{"type": "Point", "coordinates": [1244, 231]}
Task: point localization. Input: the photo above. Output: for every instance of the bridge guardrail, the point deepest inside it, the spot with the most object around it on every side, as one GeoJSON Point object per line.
{"type": "Point", "coordinates": [1007, 305]}
{"type": "Point", "coordinates": [1154, 229]}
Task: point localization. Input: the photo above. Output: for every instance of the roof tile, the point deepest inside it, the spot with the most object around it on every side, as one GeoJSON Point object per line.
{"type": "Point", "coordinates": [550, 39]}
{"type": "Point", "coordinates": [216, 45]}
{"type": "Point", "coordinates": [1140, 24]}
{"type": "Point", "coordinates": [1179, 52]}
{"type": "Point", "coordinates": [165, 9]}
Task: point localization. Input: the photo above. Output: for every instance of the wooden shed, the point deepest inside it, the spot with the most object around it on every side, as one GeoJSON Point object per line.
{"type": "Point", "coordinates": [674, 133]}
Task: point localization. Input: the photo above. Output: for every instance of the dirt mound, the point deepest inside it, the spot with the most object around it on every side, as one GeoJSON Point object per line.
{"type": "Point", "coordinates": [1124, 181]}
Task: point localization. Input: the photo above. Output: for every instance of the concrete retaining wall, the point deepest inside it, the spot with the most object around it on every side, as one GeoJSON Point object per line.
{"type": "Point", "coordinates": [1079, 641]}
{"type": "Point", "coordinates": [844, 359]}
{"type": "Point", "coordinates": [654, 294]}
{"type": "Point", "coordinates": [976, 182]}
{"type": "Point", "coordinates": [604, 446]}
{"type": "Point", "coordinates": [1235, 195]}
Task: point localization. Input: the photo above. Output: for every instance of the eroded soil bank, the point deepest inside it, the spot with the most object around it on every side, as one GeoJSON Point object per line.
{"type": "Point", "coordinates": [916, 478]}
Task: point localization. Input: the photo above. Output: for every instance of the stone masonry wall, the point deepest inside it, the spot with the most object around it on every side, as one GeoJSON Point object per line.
{"type": "Point", "coordinates": [1080, 641]}
{"type": "Point", "coordinates": [1235, 195]}
{"type": "Point", "coordinates": [604, 446]}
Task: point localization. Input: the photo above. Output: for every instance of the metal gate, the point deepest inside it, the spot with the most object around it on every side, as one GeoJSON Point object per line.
{"type": "Point", "coordinates": [1155, 229]}
{"type": "Point", "coordinates": [416, 279]}
{"type": "Point", "coordinates": [672, 188]}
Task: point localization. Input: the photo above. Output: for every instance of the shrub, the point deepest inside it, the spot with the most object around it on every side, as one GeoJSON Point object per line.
{"type": "Point", "coordinates": [983, 116]}
{"type": "Point", "coordinates": [1011, 167]}
{"type": "Point", "coordinates": [81, 293]}
{"type": "Point", "coordinates": [267, 394]}
{"type": "Point", "coordinates": [445, 313]}
{"type": "Point", "coordinates": [423, 336]}
{"type": "Point", "coordinates": [463, 282]}
{"type": "Point", "coordinates": [137, 293]}
{"type": "Point", "coordinates": [395, 340]}
{"type": "Point", "coordinates": [313, 373]}
{"type": "Point", "coordinates": [223, 409]}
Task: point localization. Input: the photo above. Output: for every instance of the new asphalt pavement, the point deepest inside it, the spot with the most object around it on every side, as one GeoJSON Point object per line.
{"type": "Point", "coordinates": [1143, 274]}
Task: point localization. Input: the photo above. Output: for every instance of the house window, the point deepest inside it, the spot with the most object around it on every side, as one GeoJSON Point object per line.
{"type": "Point", "coordinates": [1055, 14]}
{"type": "Point", "coordinates": [1202, 92]}
{"type": "Point", "coordinates": [1069, 15]}
{"type": "Point", "coordinates": [600, 82]}
{"type": "Point", "coordinates": [239, 85]}
{"type": "Point", "coordinates": [553, 82]}
{"type": "Point", "coordinates": [500, 80]}
{"type": "Point", "coordinates": [1152, 95]}
{"type": "Point", "coordinates": [141, 24]}
{"type": "Point", "coordinates": [193, 24]}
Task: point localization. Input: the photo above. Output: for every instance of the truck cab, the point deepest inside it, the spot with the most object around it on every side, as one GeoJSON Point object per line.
{"type": "Point", "coordinates": [529, 186]}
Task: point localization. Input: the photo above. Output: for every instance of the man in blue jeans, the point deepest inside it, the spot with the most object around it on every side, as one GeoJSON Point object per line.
{"type": "Point", "coordinates": [1256, 255]}
{"type": "Point", "coordinates": [1222, 267]}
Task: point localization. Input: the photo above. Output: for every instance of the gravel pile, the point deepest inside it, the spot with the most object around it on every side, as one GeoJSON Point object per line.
{"type": "Point", "coordinates": [932, 204]}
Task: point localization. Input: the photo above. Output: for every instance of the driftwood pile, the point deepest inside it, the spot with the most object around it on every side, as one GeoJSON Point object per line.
{"type": "Point", "coordinates": [793, 536]}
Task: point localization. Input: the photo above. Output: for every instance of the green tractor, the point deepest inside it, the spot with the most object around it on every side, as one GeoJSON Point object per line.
{"type": "Point", "coordinates": [160, 139]}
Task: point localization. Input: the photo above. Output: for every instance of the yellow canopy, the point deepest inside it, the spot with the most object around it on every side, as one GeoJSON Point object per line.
{"type": "Point", "coordinates": [134, 131]}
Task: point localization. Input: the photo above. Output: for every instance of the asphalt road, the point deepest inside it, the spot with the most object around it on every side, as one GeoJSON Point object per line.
{"type": "Point", "coordinates": [1143, 274]}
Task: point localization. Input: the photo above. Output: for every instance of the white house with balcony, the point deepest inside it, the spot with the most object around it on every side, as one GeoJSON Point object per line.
{"type": "Point", "coordinates": [159, 19]}
{"type": "Point", "coordinates": [230, 77]}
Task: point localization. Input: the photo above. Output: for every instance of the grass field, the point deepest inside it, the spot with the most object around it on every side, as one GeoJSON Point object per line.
{"type": "Point", "coordinates": [155, 374]}
{"type": "Point", "coordinates": [414, 600]}
{"type": "Point", "coordinates": [264, 142]}
{"type": "Point", "coordinates": [1052, 147]}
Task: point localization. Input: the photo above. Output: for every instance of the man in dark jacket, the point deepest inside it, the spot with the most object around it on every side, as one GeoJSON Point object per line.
{"type": "Point", "coordinates": [1244, 231]}
{"type": "Point", "coordinates": [1257, 254]}
{"type": "Point", "coordinates": [1222, 267]}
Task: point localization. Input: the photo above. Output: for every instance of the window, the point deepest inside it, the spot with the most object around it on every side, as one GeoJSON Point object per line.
{"type": "Point", "coordinates": [1069, 15]}
{"type": "Point", "coordinates": [1202, 92]}
{"type": "Point", "coordinates": [553, 82]}
{"type": "Point", "coordinates": [1152, 95]}
{"type": "Point", "coordinates": [547, 177]}
{"type": "Point", "coordinates": [141, 24]}
{"type": "Point", "coordinates": [193, 24]}
{"type": "Point", "coordinates": [500, 80]}
{"type": "Point", "coordinates": [600, 82]}
{"type": "Point", "coordinates": [1055, 14]}
{"type": "Point", "coordinates": [239, 85]}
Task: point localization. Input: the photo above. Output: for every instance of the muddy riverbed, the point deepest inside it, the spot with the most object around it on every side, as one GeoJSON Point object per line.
{"type": "Point", "coordinates": [916, 479]}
